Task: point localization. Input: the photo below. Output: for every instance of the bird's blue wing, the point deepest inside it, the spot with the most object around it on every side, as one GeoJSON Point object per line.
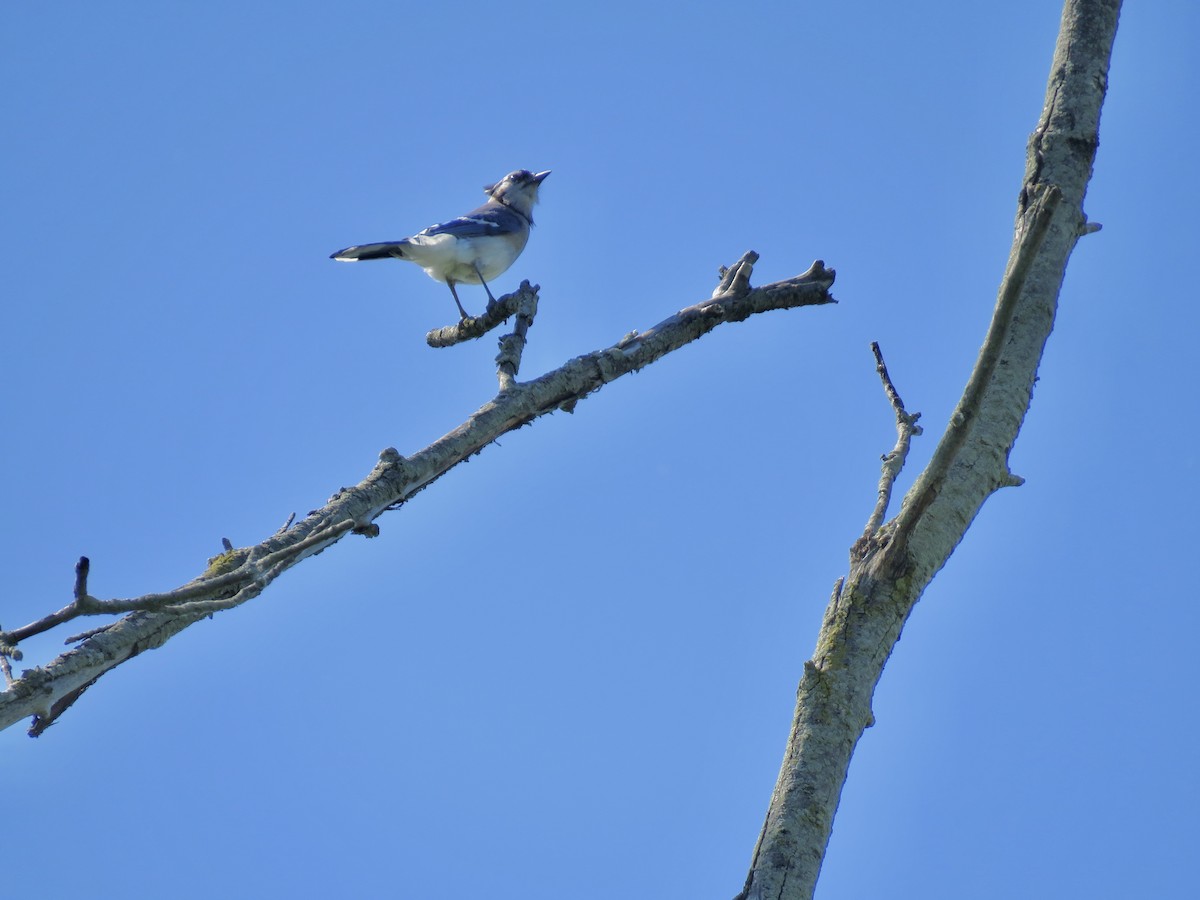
{"type": "Point", "coordinates": [487, 220]}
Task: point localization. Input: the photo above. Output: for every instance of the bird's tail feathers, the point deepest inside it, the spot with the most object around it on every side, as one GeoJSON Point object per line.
{"type": "Point", "coordinates": [386, 250]}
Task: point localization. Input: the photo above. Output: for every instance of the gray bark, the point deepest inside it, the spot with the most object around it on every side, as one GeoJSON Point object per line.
{"type": "Point", "coordinates": [892, 564]}
{"type": "Point", "coordinates": [241, 574]}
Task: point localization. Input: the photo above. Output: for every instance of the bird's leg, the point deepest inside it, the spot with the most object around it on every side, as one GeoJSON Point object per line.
{"type": "Point", "coordinates": [484, 283]}
{"type": "Point", "coordinates": [454, 294]}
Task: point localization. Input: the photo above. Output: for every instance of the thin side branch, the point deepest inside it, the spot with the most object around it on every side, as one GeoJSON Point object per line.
{"type": "Point", "coordinates": [512, 346]}
{"type": "Point", "coordinates": [81, 576]}
{"type": "Point", "coordinates": [893, 462]}
{"type": "Point", "coordinates": [497, 312]}
{"type": "Point", "coordinates": [240, 569]}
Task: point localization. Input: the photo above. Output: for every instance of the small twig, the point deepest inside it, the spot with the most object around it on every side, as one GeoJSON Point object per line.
{"type": "Point", "coordinates": [888, 387]}
{"type": "Point", "coordinates": [84, 604]}
{"type": "Point", "coordinates": [252, 574]}
{"type": "Point", "coordinates": [508, 361]}
{"type": "Point", "coordinates": [733, 300]}
{"type": "Point", "coordinates": [6, 668]}
{"type": "Point", "coordinates": [81, 604]}
{"type": "Point", "coordinates": [735, 279]}
{"type": "Point", "coordinates": [893, 462]}
{"type": "Point", "coordinates": [81, 576]}
{"type": "Point", "coordinates": [66, 614]}
{"type": "Point", "coordinates": [84, 635]}
{"type": "Point", "coordinates": [497, 311]}
{"type": "Point", "coordinates": [248, 573]}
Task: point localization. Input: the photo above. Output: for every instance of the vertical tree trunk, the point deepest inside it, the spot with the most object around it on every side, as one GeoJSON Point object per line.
{"type": "Point", "coordinates": [891, 565]}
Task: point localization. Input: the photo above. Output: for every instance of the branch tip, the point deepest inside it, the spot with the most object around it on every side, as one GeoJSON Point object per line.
{"type": "Point", "coordinates": [81, 578]}
{"type": "Point", "coordinates": [84, 635]}
{"type": "Point", "coordinates": [893, 461]}
{"type": "Point", "coordinates": [736, 278]}
{"type": "Point", "coordinates": [818, 272]}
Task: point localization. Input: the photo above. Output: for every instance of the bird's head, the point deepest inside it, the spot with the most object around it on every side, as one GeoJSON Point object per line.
{"type": "Point", "coordinates": [518, 191]}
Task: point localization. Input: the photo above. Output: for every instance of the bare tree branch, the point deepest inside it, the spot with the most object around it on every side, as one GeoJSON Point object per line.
{"type": "Point", "coordinates": [497, 311]}
{"type": "Point", "coordinates": [239, 574]}
{"type": "Point", "coordinates": [892, 566]}
{"type": "Point", "coordinates": [512, 346]}
{"type": "Point", "coordinates": [893, 463]}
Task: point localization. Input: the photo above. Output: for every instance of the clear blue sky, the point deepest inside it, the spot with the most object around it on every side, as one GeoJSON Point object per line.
{"type": "Point", "coordinates": [568, 669]}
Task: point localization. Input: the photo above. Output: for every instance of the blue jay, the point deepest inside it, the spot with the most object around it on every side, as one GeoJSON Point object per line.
{"type": "Point", "coordinates": [472, 248]}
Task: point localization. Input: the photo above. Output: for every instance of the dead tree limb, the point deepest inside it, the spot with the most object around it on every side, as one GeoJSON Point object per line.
{"type": "Point", "coordinates": [240, 574]}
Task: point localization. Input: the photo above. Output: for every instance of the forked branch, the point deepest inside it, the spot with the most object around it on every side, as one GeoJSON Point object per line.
{"type": "Point", "coordinates": [893, 462]}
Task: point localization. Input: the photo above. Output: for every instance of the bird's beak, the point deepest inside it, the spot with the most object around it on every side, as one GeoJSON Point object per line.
{"type": "Point", "coordinates": [540, 177]}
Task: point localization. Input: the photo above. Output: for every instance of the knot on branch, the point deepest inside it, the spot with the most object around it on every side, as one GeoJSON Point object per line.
{"type": "Point", "coordinates": [366, 529]}
{"type": "Point", "coordinates": [9, 651]}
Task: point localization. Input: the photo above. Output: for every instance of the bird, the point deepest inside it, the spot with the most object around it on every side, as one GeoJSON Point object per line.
{"type": "Point", "coordinates": [474, 248]}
